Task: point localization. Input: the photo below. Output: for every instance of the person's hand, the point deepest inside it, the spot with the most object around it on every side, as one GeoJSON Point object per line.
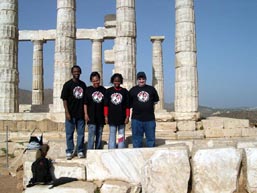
{"type": "Point", "coordinates": [87, 118]}
{"type": "Point", "coordinates": [127, 120]}
{"type": "Point", "coordinates": [106, 120]}
{"type": "Point", "coordinates": [67, 116]}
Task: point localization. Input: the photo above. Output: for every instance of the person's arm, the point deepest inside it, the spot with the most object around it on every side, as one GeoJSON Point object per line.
{"type": "Point", "coordinates": [86, 113]}
{"type": "Point", "coordinates": [67, 114]}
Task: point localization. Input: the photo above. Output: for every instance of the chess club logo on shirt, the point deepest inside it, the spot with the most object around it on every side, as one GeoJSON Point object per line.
{"type": "Point", "coordinates": [143, 96]}
{"type": "Point", "coordinates": [78, 92]}
{"type": "Point", "coordinates": [97, 96]}
{"type": "Point", "coordinates": [116, 98]}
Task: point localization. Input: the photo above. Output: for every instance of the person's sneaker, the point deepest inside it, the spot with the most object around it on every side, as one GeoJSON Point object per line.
{"type": "Point", "coordinates": [69, 156]}
{"type": "Point", "coordinates": [81, 155]}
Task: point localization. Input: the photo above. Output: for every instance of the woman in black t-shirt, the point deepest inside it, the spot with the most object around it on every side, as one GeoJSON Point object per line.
{"type": "Point", "coordinates": [116, 111]}
{"type": "Point", "coordinates": [94, 107]}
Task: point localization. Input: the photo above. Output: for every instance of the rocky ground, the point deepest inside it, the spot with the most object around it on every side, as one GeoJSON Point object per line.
{"type": "Point", "coordinates": [9, 184]}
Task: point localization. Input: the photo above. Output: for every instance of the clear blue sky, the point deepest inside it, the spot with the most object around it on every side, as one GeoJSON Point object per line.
{"type": "Point", "coordinates": [226, 45]}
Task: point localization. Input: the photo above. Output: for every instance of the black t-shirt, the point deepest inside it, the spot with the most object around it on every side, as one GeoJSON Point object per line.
{"type": "Point", "coordinates": [95, 104]}
{"type": "Point", "coordinates": [74, 94]}
{"type": "Point", "coordinates": [142, 100]}
{"type": "Point", "coordinates": [117, 102]}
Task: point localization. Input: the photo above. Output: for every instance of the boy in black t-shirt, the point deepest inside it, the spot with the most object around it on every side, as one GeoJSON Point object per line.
{"type": "Point", "coordinates": [73, 94]}
{"type": "Point", "coordinates": [116, 111]}
{"type": "Point", "coordinates": [94, 111]}
{"type": "Point", "coordinates": [143, 97]}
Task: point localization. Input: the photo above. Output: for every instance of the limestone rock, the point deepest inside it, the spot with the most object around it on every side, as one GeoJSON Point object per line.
{"type": "Point", "coordinates": [216, 170]}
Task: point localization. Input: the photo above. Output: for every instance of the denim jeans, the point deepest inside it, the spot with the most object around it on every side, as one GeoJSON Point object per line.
{"type": "Point", "coordinates": [139, 128]}
{"type": "Point", "coordinates": [94, 134]}
{"type": "Point", "coordinates": [112, 136]}
{"type": "Point", "coordinates": [70, 126]}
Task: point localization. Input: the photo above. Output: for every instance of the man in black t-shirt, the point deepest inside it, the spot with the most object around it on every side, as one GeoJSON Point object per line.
{"type": "Point", "coordinates": [73, 96]}
{"type": "Point", "coordinates": [143, 97]}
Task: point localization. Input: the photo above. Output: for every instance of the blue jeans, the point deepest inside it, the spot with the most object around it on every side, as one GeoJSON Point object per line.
{"type": "Point", "coordinates": [70, 126]}
{"type": "Point", "coordinates": [94, 134]}
{"type": "Point", "coordinates": [139, 128]}
{"type": "Point", "coordinates": [112, 136]}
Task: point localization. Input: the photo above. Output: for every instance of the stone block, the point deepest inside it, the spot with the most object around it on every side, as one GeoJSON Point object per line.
{"type": "Point", "coordinates": [122, 164]}
{"type": "Point", "coordinates": [173, 166]}
{"type": "Point", "coordinates": [61, 127]}
{"type": "Point", "coordinates": [186, 125]}
{"type": "Point", "coordinates": [236, 123]}
{"type": "Point", "coordinates": [165, 126]}
{"type": "Point", "coordinates": [251, 169]}
{"type": "Point", "coordinates": [249, 132]}
{"type": "Point", "coordinates": [119, 187]}
{"type": "Point", "coordinates": [214, 133]}
{"type": "Point", "coordinates": [216, 170]}
{"type": "Point", "coordinates": [31, 155]}
{"type": "Point", "coordinates": [190, 134]}
{"type": "Point", "coordinates": [2, 126]}
{"type": "Point", "coordinates": [12, 125]}
{"type": "Point", "coordinates": [74, 187]}
{"type": "Point", "coordinates": [31, 125]}
{"type": "Point", "coordinates": [188, 143]}
{"type": "Point", "coordinates": [235, 132]}
{"type": "Point", "coordinates": [21, 126]}
{"type": "Point", "coordinates": [247, 144]}
{"type": "Point", "coordinates": [213, 124]}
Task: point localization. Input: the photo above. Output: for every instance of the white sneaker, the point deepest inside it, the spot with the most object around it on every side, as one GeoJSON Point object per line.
{"type": "Point", "coordinates": [81, 155]}
{"type": "Point", "coordinates": [69, 156]}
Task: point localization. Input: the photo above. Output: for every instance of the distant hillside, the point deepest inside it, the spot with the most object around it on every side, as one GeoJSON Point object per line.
{"type": "Point", "coordinates": [25, 96]}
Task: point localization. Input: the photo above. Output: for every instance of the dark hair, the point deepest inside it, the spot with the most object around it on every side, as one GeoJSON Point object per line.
{"type": "Point", "coordinates": [93, 74]}
{"type": "Point", "coordinates": [117, 75]}
{"type": "Point", "coordinates": [76, 66]}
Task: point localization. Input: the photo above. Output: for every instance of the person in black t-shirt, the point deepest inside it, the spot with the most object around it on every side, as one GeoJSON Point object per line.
{"type": "Point", "coordinates": [73, 94]}
{"type": "Point", "coordinates": [94, 111]}
{"type": "Point", "coordinates": [142, 98]}
{"type": "Point", "coordinates": [116, 111]}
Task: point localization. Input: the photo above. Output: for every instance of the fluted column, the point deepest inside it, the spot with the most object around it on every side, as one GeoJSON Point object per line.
{"type": "Point", "coordinates": [37, 73]}
{"type": "Point", "coordinates": [97, 57]}
{"type": "Point", "coordinates": [125, 42]}
{"type": "Point", "coordinates": [9, 76]}
{"type": "Point", "coordinates": [65, 53]}
{"type": "Point", "coordinates": [158, 69]}
{"type": "Point", "coordinates": [186, 78]}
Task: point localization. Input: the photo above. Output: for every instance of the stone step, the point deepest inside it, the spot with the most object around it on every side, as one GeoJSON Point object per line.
{"type": "Point", "coordinates": [63, 186]}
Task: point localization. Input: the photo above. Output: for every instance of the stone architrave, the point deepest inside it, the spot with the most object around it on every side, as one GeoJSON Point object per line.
{"type": "Point", "coordinates": [216, 170]}
{"type": "Point", "coordinates": [38, 72]}
{"type": "Point", "coordinates": [251, 169]}
{"type": "Point", "coordinates": [97, 57]}
{"type": "Point", "coordinates": [125, 42]}
{"type": "Point", "coordinates": [186, 78]}
{"type": "Point", "coordinates": [9, 76]}
{"type": "Point", "coordinates": [65, 49]}
{"type": "Point", "coordinates": [158, 69]}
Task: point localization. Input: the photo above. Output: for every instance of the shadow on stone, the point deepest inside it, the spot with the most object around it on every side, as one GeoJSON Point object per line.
{"type": "Point", "coordinates": [61, 181]}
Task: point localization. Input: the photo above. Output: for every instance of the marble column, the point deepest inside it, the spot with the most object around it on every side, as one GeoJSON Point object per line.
{"type": "Point", "coordinates": [158, 79]}
{"type": "Point", "coordinates": [9, 75]}
{"type": "Point", "coordinates": [186, 78]}
{"type": "Point", "coordinates": [38, 73]}
{"type": "Point", "coordinates": [97, 64]}
{"type": "Point", "coordinates": [65, 49]}
{"type": "Point", "coordinates": [125, 42]}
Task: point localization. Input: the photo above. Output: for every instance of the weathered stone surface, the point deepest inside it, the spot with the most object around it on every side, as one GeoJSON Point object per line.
{"type": "Point", "coordinates": [71, 187]}
{"type": "Point", "coordinates": [216, 170]}
{"type": "Point", "coordinates": [119, 187]}
{"type": "Point", "coordinates": [121, 164]}
{"type": "Point", "coordinates": [186, 125]}
{"type": "Point", "coordinates": [166, 171]}
{"type": "Point", "coordinates": [190, 134]}
{"type": "Point", "coordinates": [251, 169]}
{"type": "Point", "coordinates": [212, 124]}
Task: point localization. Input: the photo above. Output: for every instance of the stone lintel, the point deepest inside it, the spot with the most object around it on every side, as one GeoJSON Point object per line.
{"type": "Point", "coordinates": [82, 34]}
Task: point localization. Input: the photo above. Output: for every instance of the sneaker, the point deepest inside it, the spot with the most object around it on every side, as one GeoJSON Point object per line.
{"type": "Point", "coordinates": [69, 156]}
{"type": "Point", "coordinates": [81, 155]}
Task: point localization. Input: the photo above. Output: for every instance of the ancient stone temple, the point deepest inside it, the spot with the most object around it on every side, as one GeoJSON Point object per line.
{"type": "Point", "coordinates": [122, 29]}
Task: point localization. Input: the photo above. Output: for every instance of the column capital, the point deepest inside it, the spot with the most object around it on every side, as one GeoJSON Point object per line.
{"type": "Point", "coordinates": [157, 38]}
{"type": "Point", "coordinates": [97, 40]}
{"type": "Point", "coordinates": [41, 41]}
